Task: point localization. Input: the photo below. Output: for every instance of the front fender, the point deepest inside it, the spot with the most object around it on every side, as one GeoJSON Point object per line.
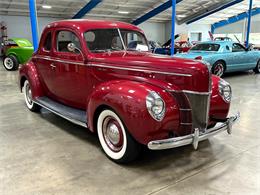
{"type": "Point", "coordinates": [218, 107]}
{"type": "Point", "coordinates": [128, 100]}
{"type": "Point", "coordinates": [29, 72]}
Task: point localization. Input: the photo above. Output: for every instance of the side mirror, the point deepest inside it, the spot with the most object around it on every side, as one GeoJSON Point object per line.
{"type": "Point", "coordinates": [72, 48]}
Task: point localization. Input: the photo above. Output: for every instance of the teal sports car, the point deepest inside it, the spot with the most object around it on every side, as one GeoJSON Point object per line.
{"type": "Point", "coordinates": [225, 56]}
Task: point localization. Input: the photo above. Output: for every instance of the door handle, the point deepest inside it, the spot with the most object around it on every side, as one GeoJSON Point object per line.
{"type": "Point", "coordinates": [52, 66]}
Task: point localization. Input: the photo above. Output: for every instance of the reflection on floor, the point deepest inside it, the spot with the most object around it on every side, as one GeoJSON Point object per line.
{"type": "Point", "coordinates": [45, 154]}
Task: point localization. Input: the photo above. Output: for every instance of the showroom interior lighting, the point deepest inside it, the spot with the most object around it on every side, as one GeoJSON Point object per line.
{"type": "Point", "coordinates": [46, 7]}
{"type": "Point", "coordinates": [123, 12]}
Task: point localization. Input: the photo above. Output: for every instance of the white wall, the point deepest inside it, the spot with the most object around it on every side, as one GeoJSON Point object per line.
{"type": "Point", "coordinates": [154, 31]}
{"type": "Point", "coordinates": [20, 26]}
{"type": "Point", "coordinates": [188, 29]}
{"type": "Point", "coordinates": [238, 27]}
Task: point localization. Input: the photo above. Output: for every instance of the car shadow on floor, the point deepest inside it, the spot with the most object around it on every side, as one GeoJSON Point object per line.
{"type": "Point", "coordinates": [238, 74]}
{"type": "Point", "coordinates": [148, 160]}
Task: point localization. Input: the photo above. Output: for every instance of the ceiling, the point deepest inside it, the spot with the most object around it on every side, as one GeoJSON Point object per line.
{"type": "Point", "coordinates": [109, 9]}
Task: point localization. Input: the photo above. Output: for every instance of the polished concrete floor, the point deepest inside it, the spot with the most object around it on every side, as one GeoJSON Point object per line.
{"type": "Point", "coordinates": [45, 154]}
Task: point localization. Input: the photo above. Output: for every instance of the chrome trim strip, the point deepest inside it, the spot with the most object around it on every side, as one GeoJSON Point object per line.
{"type": "Point", "coordinates": [113, 67]}
{"type": "Point", "coordinates": [191, 92]}
{"type": "Point", "coordinates": [186, 123]}
{"type": "Point", "coordinates": [184, 109]}
{"type": "Point", "coordinates": [62, 61]}
{"type": "Point", "coordinates": [141, 70]}
{"type": "Point", "coordinates": [195, 137]}
{"type": "Point", "coordinates": [59, 114]}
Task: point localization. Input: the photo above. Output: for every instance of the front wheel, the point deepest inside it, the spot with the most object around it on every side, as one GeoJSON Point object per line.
{"type": "Point", "coordinates": [257, 68]}
{"type": "Point", "coordinates": [11, 63]}
{"type": "Point", "coordinates": [218, 68]}
{"type": "Point", "coordinates": [28, 97]}
{"type": "Point", "coordinates": [114, 138]}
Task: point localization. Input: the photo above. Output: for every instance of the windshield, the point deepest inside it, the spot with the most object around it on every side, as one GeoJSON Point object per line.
{"type": "Point", "coordinates": [205, 47]}
{"type": "Point", "coordinates": [104, 40]}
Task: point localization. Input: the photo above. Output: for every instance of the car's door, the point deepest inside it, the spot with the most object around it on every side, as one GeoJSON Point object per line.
{"type": "Point", "coordinates": [44, 63]}
{"type": "Point", "coordinates": [240, 56]}
{"type": "Point", "coordinates": [71, 80]}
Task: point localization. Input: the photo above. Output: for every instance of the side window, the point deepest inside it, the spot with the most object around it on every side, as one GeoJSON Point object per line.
{"type": "Point", "coordinates": [237, 48]}
{"type": "Point", "coordinates": [47, 42]}
{"type": "Point", "coordinates": [64, 38]}
{"type": "Point", "coordinates": [227, 48]}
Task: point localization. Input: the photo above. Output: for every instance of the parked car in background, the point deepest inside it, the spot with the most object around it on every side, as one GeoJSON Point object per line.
{"type": "Point", "coordinates": [225, 56]}
{"type": "Point", "coordinates": [16, 51]}
{"type": "Point", "coordinates": [183, 46]}
{"type": "Point", "coordinates": [129, 96]}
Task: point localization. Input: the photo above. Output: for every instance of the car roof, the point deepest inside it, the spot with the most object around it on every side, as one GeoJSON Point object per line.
{"type": "Point", "coordinates": [87, 24]}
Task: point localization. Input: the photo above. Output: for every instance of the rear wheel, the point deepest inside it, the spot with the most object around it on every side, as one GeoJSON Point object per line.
{"type": "Point", "coordinates": [219, 68]}
{"type": "Point", "coordinates": [257, 68]}
{"type": "Point", "coordinates": [114, 138]}
{"type": "Point", "coordinates": [11, 63]}
{"type": "Point", "coordinates": [28, 97]}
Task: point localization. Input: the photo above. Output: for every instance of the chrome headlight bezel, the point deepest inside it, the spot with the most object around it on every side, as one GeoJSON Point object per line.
{"type": "Point", "coordinates": [155, 106]}
{"type": "Point", "coordinates": [225, 90]}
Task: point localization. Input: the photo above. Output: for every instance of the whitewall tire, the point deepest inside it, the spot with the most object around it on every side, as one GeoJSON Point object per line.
{"type": "Point", "coordinates": [28, 97]}
{"type": "Point", "coordinates": [116, 142]}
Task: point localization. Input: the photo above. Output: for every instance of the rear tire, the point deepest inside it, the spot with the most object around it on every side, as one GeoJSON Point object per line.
{"type": "Point", "coordinates": [257, 68]}
{"type": "Point", "coordinates": [28, 97]}
{"type": "Point", "coordinates": [219, 68]}
{"type": "Point", "coordinates": [11, 63]}
{"type": "Point", "coordinates": [114, 138]}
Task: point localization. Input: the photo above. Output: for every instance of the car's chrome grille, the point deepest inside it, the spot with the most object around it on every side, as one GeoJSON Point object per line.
{"type": "Point", "coordinates": [199, 103]}
{"type": "Point", "coordinates": [194, 109]}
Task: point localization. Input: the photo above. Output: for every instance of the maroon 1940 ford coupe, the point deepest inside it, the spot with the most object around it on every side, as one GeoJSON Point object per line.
{"type": "Point", "coordinates": [90, 73]}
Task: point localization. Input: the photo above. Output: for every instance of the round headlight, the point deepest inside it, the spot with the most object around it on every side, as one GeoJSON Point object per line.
{"type": "Point", "coordinates": [155, 105]}
{"type": "Point", "coordinates": [225, 90]}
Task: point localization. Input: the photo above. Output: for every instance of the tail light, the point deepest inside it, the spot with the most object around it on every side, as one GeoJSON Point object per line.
{"type": "Point", "coordinates": [198, 58]}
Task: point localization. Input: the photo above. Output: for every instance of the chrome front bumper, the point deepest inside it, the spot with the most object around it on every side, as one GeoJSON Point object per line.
{"type": "Point", "coordinates": [194, 138]}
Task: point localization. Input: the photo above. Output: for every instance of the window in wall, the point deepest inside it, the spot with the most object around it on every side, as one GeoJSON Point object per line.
{"type": "Point", "coordinates": [64, 38]}
{"type": "Point", "coordinates": [195, 36]}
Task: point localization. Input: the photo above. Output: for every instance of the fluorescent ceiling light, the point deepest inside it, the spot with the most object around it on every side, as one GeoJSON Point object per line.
{"type": "Point", "coordinates": [46, 7]}
{"type": "Point", "coordinates": [123, 12]}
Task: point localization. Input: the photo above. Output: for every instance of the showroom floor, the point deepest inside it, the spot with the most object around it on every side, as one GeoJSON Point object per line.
{"type": "Point", "coordinates": [45, 154]}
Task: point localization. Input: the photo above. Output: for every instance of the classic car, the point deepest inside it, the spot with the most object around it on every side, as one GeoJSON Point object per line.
{"type": "Point", "coordinates": [84, 72]}
{"type": "Point", "coordinates": [225, 56]}
{"type": "Point", "coordinates": [164, 49]}
{"type": "Point", "coordinates": [16, 51]}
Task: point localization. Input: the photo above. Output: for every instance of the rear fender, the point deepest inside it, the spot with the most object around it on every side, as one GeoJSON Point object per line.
{"type": "Point", "coordinates": [29, 72]}
{"type": "Point", "coordinates": [128, 100]}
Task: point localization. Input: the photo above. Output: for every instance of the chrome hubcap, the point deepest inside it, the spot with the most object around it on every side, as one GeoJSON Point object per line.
{"type": "Point", "coordinates": [113, 134]}
{"type": "Point", "coordinates": [219, 70]}
{"type": "Point", "coordinates": [8, 63]}
{"type": "Point", "coordinates": [28, 92]}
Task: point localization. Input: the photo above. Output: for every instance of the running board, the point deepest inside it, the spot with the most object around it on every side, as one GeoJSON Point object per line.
{"type": "Point", "coordinates": [73, 115]}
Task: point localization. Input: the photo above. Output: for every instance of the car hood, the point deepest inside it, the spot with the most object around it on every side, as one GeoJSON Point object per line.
{"type": "Point", "coordinates": [195, 71]}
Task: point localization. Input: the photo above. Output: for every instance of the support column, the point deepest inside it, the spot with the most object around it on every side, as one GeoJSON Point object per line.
{"type": "Point", "coordinates": [34, 23]}
{"type": "Point", "coordinates": [249, 22]}
{"type": "Point", "coordinates": [173, 26]}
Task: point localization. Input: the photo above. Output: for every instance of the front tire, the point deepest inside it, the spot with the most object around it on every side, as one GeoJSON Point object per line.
{"type": "Point", "coordinates": [114, 138]}
{"type": "Point", "coordinates": [11, 63]}
{"type": "Point", "coordinates": [28, 97]}
{"type": "Point", "coordinates": [219, 68]}
{"type": "Point", "coordinates": [257, 68]}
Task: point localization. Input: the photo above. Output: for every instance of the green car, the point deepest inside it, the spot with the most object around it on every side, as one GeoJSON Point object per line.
{"type": "Point", "coordinates": [16, 51]}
